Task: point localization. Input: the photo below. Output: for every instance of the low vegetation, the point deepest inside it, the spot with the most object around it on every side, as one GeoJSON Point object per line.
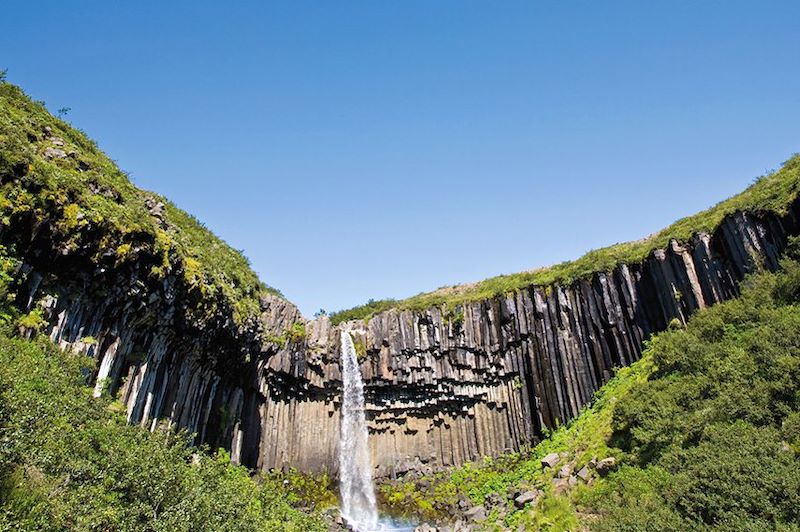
{"type": "Point", "coordinates": [69, 461]}
{"type": "Point", "coordinates": [294, 334]}
{"type": "Point", "coordinates": [774, 192]}
{"type": "Point", "coordinates": [52, 174]}
{"type": "Point", "coordinates": [704, 430]}
{"type": "Point", "coordinates": [365, 311]}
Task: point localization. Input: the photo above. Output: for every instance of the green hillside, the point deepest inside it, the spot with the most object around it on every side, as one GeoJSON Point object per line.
{"type": "Point", "coordinates": [51, 173]}
{"type": "Point", "coordinates": [704, 431]}
{"type": "Point", "coordinates": [69, 461]}
{"type": "Point", "coordinates": [773, 192]}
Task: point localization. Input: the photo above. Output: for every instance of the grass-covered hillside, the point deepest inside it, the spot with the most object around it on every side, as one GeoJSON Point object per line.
{"type": "Point", "coordinates": [69, 461]}
{"type": "Point", "coordinates": [54, 176]}
{"type": "Point", "coordinates": [703, 433]}
{"type": "Point", "coordinates": [773, 193]}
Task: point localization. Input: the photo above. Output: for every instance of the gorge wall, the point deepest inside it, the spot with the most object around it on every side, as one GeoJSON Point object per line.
{"type": "Point", "coordinates": [442, 387]}
{"type": "Point", "coordinates": [185, 336]}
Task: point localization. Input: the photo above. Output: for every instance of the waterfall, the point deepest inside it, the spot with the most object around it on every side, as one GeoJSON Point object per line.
{"type": "Point", "coordinates": [355, 465]}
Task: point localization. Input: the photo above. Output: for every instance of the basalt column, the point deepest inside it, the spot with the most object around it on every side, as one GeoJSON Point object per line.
{"type": "Point", "coordinates": [445, 387]}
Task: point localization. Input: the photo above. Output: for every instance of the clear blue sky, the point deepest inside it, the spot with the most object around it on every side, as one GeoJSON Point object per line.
{"type": "Point", "coordinates": [383, 148]}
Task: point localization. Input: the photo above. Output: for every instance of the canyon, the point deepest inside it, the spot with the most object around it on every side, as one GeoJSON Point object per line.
{"type": "Point", "coordinates": [109, 271]}
{"type": "Point", "coordinates": [442, 388]}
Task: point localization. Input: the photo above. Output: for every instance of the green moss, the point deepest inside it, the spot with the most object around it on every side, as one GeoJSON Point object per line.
{"type": "Point", "coordinates": [33, 321]}
{"type": "Point", "coordinates": [123, 250]}
{"type": "Point", "coordinates": [70, 217]}
{"type": "Point", "coordinates": [7, 270]}
{"type": "Point", "coordinates": [297, 333]}
{"type": "Point", "coordinates": [360, 346]}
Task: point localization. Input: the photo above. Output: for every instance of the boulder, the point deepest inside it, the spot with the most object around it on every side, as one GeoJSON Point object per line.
{"type": "Point", "coordinates": [551, 460]}
{"type": "Point", "coordinates": [463, 503]}
{"type": "Point", "coordinates": [528, 497]}
{"type": "Point", "coordinates": [494, 500]}
{"type": "Point", "coordinates": [585, 473]}
{"type": "Point", "coordinates": [560, 485]}
{"type": "Point", "coordinates": [476, 514]}
{"type": "Point", "coordinates": [155, 207]}
{"type": "Point", "coordinates": [461, 526]}
{"type": "Point", "coordinates": [55, 153]}
{"type": "Point", "coordinates": [605, 465]}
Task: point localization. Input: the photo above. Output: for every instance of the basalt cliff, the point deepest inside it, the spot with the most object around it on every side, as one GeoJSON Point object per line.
{"type": "Point", "coordinates": [444, 389]}
{"type": "Point", "coordinates": [185, 336]}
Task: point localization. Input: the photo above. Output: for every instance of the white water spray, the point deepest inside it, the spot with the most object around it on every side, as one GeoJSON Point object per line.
{"type": "Point", "coordinates": [355, 466]}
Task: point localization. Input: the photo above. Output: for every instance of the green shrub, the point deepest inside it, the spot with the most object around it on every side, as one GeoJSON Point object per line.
{"type": "Point", "coordinates": [360, 345]}
{"type": "Point", "coordinates": [307, 490]}
{"type": "Point", "coordinates": [297, 332]}
{"type": "Point", "coordinates": [67, 461]}
{"type": "Point", "coordinates": [362, 312]}
{"type": "Point", "coordinates": [32, 321]}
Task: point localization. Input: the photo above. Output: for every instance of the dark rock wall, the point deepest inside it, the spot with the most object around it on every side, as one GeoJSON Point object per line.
{"type": "Point", "coordinates": [442, 390]}
{"type": "Point", "coordinates": [442, 387]}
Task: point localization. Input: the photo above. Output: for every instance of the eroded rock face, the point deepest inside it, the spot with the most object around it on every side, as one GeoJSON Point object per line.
{"type": "Point", "coordinates": [441, 389]}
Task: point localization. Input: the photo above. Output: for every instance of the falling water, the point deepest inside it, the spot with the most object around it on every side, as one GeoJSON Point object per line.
{"type": "Point", "coordinates": [355, 466]}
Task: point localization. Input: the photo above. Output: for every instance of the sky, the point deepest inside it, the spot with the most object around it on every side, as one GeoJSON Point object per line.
{"type": "Point", "coordinates": [372, 149]}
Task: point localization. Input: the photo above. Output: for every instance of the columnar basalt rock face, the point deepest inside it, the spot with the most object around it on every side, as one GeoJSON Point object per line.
{"type": "Point", "coordinates": [444, 386]}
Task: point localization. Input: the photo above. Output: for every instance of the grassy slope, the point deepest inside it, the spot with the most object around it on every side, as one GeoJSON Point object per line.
{"type": "Point", "coordinates": [585, 437]}
{"type": "Point", "coordinates": [70, 461]}
{"type": "Point", "coordinates": [705, 428]}
{"type": "Point", "coordinates": [64, 189]}
{"type": "Point", "coordinates": [773, 192]}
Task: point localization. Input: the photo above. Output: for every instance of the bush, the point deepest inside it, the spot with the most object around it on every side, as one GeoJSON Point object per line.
{"type": "Point", "coordinates": [68, 462]}
{"type": "Point", "coordinates": [719, 415]}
